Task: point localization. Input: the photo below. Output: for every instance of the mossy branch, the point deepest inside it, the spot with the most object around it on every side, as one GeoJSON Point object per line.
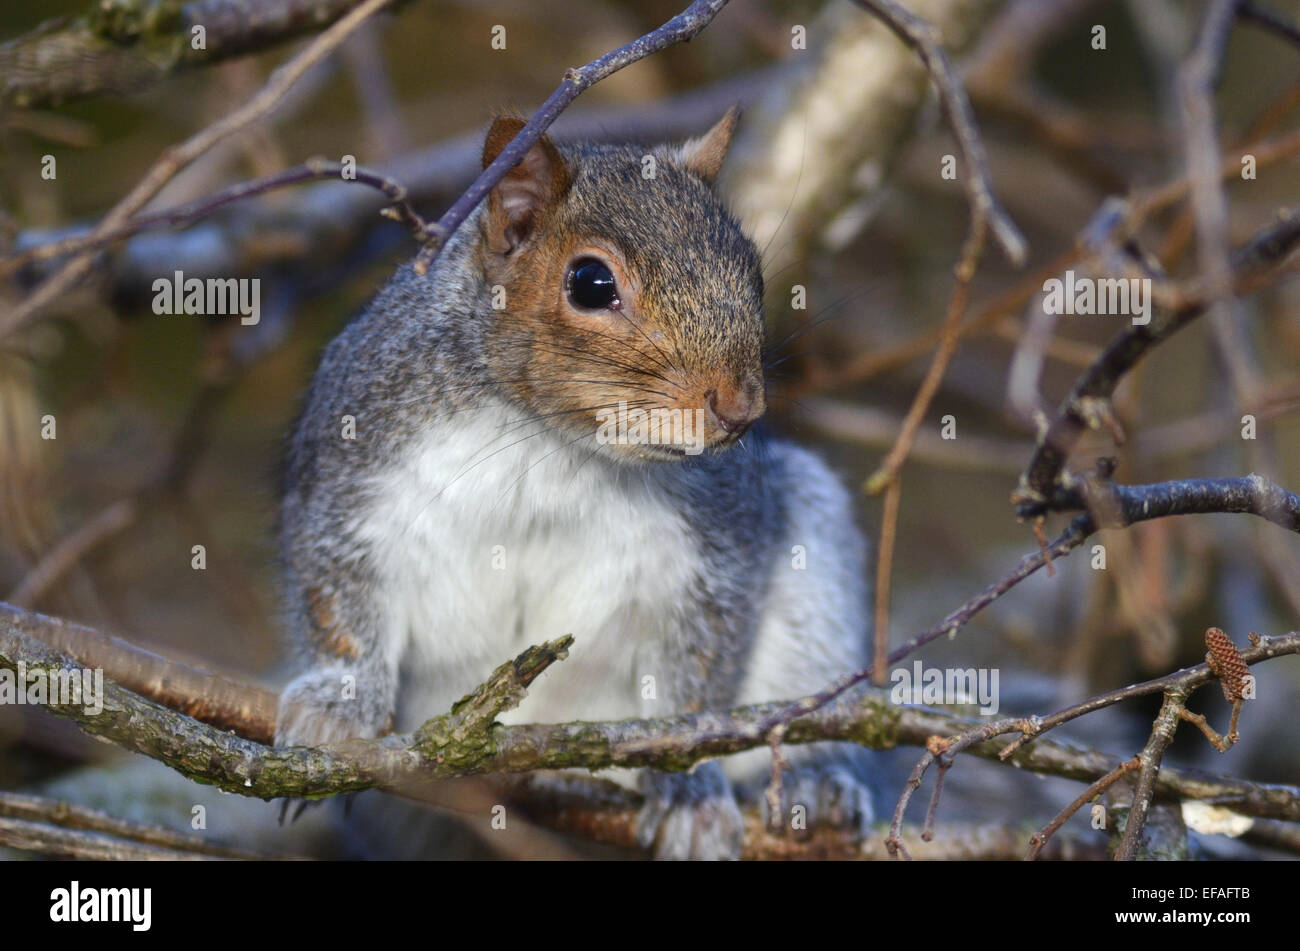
{"type": "Point", "coordinates": [468, 740]}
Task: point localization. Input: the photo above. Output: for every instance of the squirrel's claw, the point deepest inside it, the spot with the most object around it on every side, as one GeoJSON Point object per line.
{"type": "Point", "coordinates": [301, 804]}
{"type": "Point", "coordinates": [304, 804]}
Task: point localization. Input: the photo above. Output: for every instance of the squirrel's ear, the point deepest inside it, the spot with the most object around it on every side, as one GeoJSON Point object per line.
{"type": "Point", "coordinates": [529, 189]}
{"type": "Point", "coordinates": [704, 155]}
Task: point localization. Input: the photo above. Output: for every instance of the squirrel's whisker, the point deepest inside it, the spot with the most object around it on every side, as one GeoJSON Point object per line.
{"type": "Point", "coordinates": [524, 421]}
{"type": "Point", "coordinates": [607, 359]}
{"type": "Point", "coordinates": [794, 193]}
{"type": "Point", "coordinates": [538, 462]}
{"type": "Point", "coordinates": [817, 319]}
{"type": "Point", "coordinates": [540, 418]}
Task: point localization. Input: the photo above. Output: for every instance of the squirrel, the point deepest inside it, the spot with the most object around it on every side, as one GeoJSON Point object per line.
{"type": "Point", "coordinates": [462, 483]}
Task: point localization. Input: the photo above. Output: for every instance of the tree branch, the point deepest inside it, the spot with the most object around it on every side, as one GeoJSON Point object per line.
{"type": "Point", "coordinates": [312, 170]}
{"type": "Point", "coordinates": [442, 748]}
{"type": "Point", "coordinates": [1114, 505]}
{"type": "Point", "coordinates": [942, 749]}
{"type": "Point", "coordinates": [924, 39]}
{"type": "Point", "coordinates": [71, 831]}
{"type": "Point", "coordinates": [1162, 734]}
{"type": "Point", "coordinates": [119, 47]}
{"type": "Point", "coordinates": [1088, 403]}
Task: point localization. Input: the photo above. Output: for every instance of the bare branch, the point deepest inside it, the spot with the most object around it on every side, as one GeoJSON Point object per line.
{"type": "Point", "coordinates": [1249, 11]}
{"type": "Point", "coordinates": [607, 813]}
{"type": "Point", "coordinates": [326, 225]}
{"type": "Point", "coordinates": [1081, 409]}
{"type": "Point", "coordinates": [924, 39]}
{"type": "Point", "coordinates": [313, 170]}
{"type": "Point", "coordinates": [1040, 839]}
{"type": "Point", "coordinates": [679, 29]}
{"type": "Point", "coordinates": [1162, 734]}
{"type": "Point", "coordinates": [1113, 505]}
{"type": "Point", "coordinates": [942, 748]}
{"type": "Point", "coordinates": [1183, 681]}
{"type": "Point", "coordinates": [213, 699]}
{"type": "Point", "coordinates": [72, 831]}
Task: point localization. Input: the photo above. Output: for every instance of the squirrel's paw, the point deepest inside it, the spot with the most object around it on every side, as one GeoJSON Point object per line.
{"type": "Point", "coordinates": [317, 709]}
{"type": "Point", "coordinates": [690, 815]}
{"type": "Point", "coordinates": [326, 706]}
{"type": "Point", "coordinates": [826, 795]}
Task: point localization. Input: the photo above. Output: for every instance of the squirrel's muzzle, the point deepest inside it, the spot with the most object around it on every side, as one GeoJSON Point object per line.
{"type": "Point", "coordinates": [734, 408]}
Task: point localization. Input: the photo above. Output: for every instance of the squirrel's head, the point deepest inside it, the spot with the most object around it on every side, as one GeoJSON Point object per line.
{"type": "Point", "coordinates": [629, 301]}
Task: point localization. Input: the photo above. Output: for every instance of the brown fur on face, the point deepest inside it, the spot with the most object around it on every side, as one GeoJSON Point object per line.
{"type": "Point", "coordinates": [686, 332]}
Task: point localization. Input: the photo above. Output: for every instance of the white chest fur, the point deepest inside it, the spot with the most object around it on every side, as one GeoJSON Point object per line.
{"type": "Point", "coordinates": [492, 535]}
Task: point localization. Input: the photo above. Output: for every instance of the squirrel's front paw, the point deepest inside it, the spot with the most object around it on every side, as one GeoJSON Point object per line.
{"type": "Point", "coordinates": [327, 706]}
{"type": "Point", "coordinates": [690, 815]}
{"type": "Point", "coordinates": [824, 794]}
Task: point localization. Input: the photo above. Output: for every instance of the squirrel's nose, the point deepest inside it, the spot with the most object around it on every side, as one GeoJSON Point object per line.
{"type": "Point", "coordinates": [735, 408]}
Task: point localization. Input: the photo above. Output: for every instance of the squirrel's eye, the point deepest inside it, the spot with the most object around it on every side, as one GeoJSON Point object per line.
{"type": "Point", "coordinates": [591, 285]}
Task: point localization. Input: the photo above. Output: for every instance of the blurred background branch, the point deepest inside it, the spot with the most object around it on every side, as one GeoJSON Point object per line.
{"type": "Point", "coordinates": [119, 46]}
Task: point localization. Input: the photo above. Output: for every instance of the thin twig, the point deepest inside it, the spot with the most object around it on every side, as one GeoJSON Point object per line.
{"type": "Point", "coordinates": [680, 28]}
{"type": "Point", "coordinates": [1081, 410]}
{"type": "Point", "coordinates": [1184, 681]}
{"type": "Point", "coordinates": [312, 170]}
{"type": "Point", "coordinates": [1220, 743]}
{"type": "Point", "coordinates": [62, 557]}
{"type": "Point", "coordinates": [1162, 734]}
{"type": "Point", "coordinates": [943, 751]}
{"type": "Point", "coordinates": [1039, 839]}
{"type": "Point", "coordinates": [945, 764]}
{"type": "Point", "coordinates": [326, 228]}
{"type": "Point", "coordinates": [1249, 11]}
{"type": "Point", "coordinates": [943, 747]}
{"type": "Point", "coordinates": [924, 39]}
{"type": "Point", "coordinates": [1250, 495]}
{"type": "Point", "coordinates": [884, 568]}
{"type": "Point", "coordinates": [774, 794]}
{"type": "Point", "coordinates": [1074, 535]}
{"type": "Point", "coordinates": [950, 336]}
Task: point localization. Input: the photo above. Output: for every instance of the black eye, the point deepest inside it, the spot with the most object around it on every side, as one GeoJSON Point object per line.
{"type": "Point", "coordinates": [591, 285]}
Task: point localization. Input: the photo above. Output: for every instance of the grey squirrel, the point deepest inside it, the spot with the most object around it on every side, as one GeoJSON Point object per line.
{"type": "Point", "coordinates": [463, 482]}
